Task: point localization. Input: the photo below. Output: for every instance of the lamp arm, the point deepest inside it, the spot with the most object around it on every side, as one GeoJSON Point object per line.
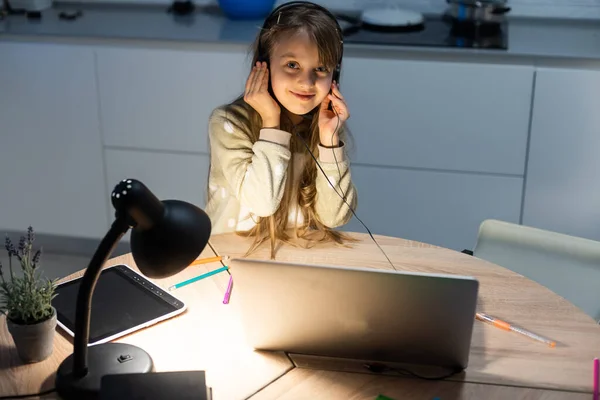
{"type": "Point", "coordinates": [84, 297]}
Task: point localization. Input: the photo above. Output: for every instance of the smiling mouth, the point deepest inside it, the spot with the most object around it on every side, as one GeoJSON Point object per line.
{"type": "Point", "coordinates": [304, 97]}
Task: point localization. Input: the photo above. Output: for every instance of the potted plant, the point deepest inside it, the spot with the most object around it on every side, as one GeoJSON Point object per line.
{"type": "Point", "coordinates": [27, 301]}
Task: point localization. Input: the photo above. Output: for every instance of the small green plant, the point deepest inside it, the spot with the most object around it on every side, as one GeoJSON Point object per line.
{"type": "Point", "coordinates": [28, 299]}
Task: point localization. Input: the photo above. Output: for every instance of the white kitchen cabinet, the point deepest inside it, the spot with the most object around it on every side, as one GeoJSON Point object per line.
{"type": "Point", "coordinates": [50, 146]}
{"type": "Point", "coordinates": [438, 115]}
{"type": "Point", "coordinates": [168, 176]}
{"type": "Point", "coordinates": [161, 99]}
{"type": "Point", "coordinates": [439, 208]}
{"type": "Point", "coordinates": [562, 190]}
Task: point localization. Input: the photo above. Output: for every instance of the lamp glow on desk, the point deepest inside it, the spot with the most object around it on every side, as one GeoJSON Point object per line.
{"type": "Point", "coordinates": [166, 237]}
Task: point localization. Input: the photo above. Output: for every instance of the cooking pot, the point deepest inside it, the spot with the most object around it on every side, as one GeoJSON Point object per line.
{"type": "Point", "coordinates": [478, 11]}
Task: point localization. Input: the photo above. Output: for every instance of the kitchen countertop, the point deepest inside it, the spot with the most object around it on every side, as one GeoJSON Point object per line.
{"type": "Point", "coordinates": [530, 39]}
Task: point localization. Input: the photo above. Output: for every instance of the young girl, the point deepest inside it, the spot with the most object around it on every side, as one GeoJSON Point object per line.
{"type": "Point", "coordinates": [263, 182]}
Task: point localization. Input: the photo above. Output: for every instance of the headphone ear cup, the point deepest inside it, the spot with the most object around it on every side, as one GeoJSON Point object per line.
{"type": "Point", "coordinates": [264, 58]}
{"type": "Point", "coordinates": [336, 73]}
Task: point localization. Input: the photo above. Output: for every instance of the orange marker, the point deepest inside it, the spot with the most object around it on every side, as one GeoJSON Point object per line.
{"type": "Point", "coordinates": [206, 260]}
{"type": "Point", "coordinates": [508, 327]}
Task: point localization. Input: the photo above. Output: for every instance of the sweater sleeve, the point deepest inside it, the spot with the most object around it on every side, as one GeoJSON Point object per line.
{"type": "Point", "coordinates": [255, 172]}
{"type": "Point", "coordinates": [331, 209]}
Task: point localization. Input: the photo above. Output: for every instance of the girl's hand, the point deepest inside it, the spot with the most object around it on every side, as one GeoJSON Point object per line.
{"type": "Point", "coordinates": [329, 120]}
{"type": "Point", "coordinates": [258, 97]}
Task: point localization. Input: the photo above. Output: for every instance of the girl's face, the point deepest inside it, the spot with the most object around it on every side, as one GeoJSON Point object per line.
{"type": "Point", "coordinates": [299, 81]}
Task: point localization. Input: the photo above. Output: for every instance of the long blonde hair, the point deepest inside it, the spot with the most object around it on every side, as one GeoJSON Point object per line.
{"type": "Point", "coordinates": [323, 31]}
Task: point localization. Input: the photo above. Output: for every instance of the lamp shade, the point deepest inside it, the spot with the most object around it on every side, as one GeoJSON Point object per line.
{"type": "Point", "coordinates": [167, 235]}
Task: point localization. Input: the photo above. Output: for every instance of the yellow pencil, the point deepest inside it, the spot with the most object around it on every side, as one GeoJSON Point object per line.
{"type": "Point", "coordinates": [206, 260]}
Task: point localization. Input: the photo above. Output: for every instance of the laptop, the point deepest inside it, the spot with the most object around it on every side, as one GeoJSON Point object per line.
{"type": "Point", "coordinates": [356, 313]}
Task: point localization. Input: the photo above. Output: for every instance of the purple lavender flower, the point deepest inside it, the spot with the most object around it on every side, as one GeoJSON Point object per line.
{"type": "Point", "coordinates": [30, 235]}
{"type": "Point", "coordinates": [10, 248]}
{"type": "Point", "coordinates": [22, 243]}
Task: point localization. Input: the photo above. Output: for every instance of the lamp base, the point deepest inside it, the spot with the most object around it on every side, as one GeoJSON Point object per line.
{"type": "Point", "coordinates": [103, 359]}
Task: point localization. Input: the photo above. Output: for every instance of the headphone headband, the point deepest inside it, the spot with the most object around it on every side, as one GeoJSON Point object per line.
{"type": "Point", "coordinates": [285, 6]}
{"type": "Point", "coordinates": [278, 10]}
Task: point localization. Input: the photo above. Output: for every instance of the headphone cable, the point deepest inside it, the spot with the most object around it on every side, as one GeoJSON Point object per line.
{"type": "Point", "coordinates": [335, 189]}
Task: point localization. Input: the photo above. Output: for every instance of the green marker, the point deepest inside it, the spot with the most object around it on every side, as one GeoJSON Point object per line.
{"type": "Point", "coordinates": [197, 278]}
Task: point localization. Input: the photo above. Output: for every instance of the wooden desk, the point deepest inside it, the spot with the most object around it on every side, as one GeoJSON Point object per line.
{"type": "Point", "coordinates": [209, 336]}
{"type": "Point", "coordinates": [301, 384]}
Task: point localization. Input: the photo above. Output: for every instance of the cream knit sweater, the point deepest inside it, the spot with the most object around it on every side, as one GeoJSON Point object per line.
{"type": "Point", "coordinates": [247, 180]}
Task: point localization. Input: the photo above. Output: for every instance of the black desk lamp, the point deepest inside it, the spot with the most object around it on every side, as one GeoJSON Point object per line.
{"type": "Point", "coordinates": [166, 237]}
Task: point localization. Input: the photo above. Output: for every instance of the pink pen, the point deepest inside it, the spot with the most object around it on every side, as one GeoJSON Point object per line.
{"type": "Point", "coordinates": [228, 292]}
{"type": "Point", "coordinates": [596, 379]}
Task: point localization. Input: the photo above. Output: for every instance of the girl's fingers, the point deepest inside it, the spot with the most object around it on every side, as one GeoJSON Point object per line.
{"type": "Point", "coordinates": [257, 82]}
{"type": "Point", "coordinates": [336, 90]}
{"type": "Point", "coordinates": [325, 103]}
{"type": "Point", "coordinates": [250, 78]}
{"type": "Point", "coordinates": [340, 108]}
{"type": "Point", "coordinates": [265, 81]}
{"type": "Point", "coordinates": [338, 103]}
{"type": "Point", "coordinates": [256, 77]}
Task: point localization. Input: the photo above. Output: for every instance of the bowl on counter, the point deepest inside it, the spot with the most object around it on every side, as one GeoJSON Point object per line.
{"type": "Point", "coordinates": [246, 9]}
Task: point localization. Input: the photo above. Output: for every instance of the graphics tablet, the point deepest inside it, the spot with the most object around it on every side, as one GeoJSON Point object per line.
{"type": "Point", "coordinates": [123, 302]}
